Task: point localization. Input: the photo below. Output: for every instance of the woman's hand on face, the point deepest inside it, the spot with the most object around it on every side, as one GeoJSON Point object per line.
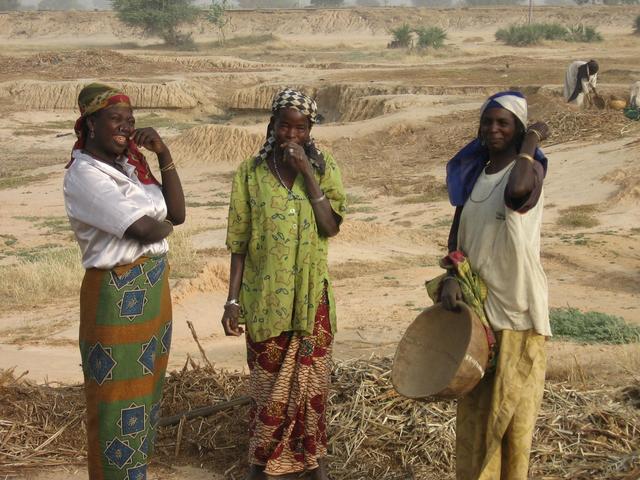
{"type": "Point", "coordinates": [230, 319]}
{"type": "Point", "coordinates": [451, 294]}
{"type": "Point", "coordinates": [149, 139]}
{"type": "Point", "coordinates": [541, 128]}
{"type": "Point", "coordinates": [295, 156]}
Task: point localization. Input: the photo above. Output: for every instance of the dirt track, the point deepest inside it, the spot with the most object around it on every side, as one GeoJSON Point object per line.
{"type": "Point", "coordinates": [393, 118]}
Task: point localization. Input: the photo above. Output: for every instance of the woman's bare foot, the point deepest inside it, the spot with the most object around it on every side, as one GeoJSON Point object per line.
{"type": "Point", "coordinates": [320, 473]}
{"type": "Point", "coordinates": [256, 472]}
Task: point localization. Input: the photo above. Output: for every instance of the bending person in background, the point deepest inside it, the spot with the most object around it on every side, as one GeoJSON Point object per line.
{"type": "Point", "coordinates": [495, 183]}
{"type": "Point", "coordinates": [580, 80]}
{"type": "Point", "coordinates": [285, 204]}
{"type": "Point", "coordinates": [121, 216]}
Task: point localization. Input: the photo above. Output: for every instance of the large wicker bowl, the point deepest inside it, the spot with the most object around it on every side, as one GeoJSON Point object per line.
{"type": "Point", "coordinates": [442, 354]}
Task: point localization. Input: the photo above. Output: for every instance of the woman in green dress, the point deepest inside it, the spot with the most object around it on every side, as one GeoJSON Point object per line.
{"type": "Point", "coordinates": [285, 203]}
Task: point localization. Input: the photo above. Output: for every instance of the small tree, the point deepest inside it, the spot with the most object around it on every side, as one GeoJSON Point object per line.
{"type": "Point", "coordinates": [327, 3]}
{"type": "Point", "coordinates": [158, 18]}
{"type": "Point", "coordinates": [217, 15]}
{"type": "Point", "coordinates": [9, 5]}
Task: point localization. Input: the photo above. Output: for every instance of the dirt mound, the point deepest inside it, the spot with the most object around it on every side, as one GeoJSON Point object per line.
{"type": "Point", "coordinates": [628, 181]}
{"type": "Point", "coordinates": [35, 95]}
{"type": "Point", "coordinates": [214, 144]}
{"type": "Point", "coordinates": [353, 102]}
{"type": "Point", "coordinates": [206, 63]}
{"type": "Point", "coordinates": [68, 65]}
{"type": "Point", "coordinates": [363, 21]}
{"type": "Point", "coordinates": [214, 277]}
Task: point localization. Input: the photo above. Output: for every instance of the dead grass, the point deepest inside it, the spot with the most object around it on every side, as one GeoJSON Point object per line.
{"type": "Point", "coordinates": [18, 181]}
{"type": "Point", "coordinates": [579, 216]}
{"type": "Point", "coordinates": [183, 257]}
{"type": "Point", "coordinates": [37, 279]}
{"type": "Point", "coordinates": [582, 432]}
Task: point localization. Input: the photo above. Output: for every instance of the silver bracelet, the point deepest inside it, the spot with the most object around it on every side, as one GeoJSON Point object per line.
{"type": "Point", "coordinates": [319, 199]}
{"type": "Point", "coordinates": [233, 301]}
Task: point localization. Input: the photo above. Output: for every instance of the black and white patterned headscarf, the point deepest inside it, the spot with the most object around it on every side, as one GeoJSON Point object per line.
{"type": "Point", "coordinates": [290, 98]}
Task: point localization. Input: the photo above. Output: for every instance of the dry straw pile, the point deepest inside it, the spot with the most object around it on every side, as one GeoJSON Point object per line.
{"type": "Point", "coordinates": [582, 433]}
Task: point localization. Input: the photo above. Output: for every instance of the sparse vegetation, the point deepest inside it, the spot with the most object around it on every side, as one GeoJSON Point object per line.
{"type": "Point", "coordinates": [402, 36]}
{"type": "Point", "coordinates": [523, 35]}
{"type": "Point", "coordinates": [580, 216]}
{"type": "Point", "coordinates": [592, 327]}
{"type": "Point", "coordinates": [636, 25]}
{"type": "Point", "coordinates": [217, 16]}
{"type": "Point", "coordinates": [405, 36]}
{"type": "Point", "coordinates": [159, 18]}
{"type": "Point", "coordinates": [183, 257]}
{"type": "Point", "coordinates": [583, 33]}
{"type": "Point", "coordinates": [38, 278]}
{"type": "Point", "coordinates": [431, 37]}
{"type": "Point", "coordinates": [21, 180]}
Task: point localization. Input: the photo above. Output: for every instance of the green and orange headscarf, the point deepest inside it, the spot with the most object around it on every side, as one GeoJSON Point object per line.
{"type": "Point", "coordinates": [95, 97]}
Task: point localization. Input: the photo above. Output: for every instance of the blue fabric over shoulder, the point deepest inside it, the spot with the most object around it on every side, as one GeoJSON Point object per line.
{"type": "Point", "coordinates": [466, 166]}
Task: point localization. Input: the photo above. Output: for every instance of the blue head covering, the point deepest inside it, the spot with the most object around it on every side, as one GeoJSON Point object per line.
{"type": "Point", "coordinates": [466, 166]}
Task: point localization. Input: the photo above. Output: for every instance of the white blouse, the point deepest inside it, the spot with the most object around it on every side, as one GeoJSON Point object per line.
{"type": "Point", "coordinates": [101, 203]}
{"type": "Point", "coordinates": [503, 246]}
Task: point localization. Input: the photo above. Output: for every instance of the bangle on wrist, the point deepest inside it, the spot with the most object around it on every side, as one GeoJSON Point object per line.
{"type": "Point", "coordinates": [536, 132]}
{"type": "Point", "coordinates": [319, 199]}
{"type": "Point", "coordinates": [166, 220]}
{"type": "Point", "coordinates": [526, 157]}
{"type": "Point", "coordinates": [232, 301]}
{"type": "Point", "coordinates": [166, 168]}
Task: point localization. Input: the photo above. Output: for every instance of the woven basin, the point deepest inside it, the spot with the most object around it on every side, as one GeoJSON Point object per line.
{"type": "Point", "coordinates": [442, 354]}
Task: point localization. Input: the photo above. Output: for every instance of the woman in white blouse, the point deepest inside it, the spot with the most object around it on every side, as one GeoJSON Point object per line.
{"type": "Point", "coordinates": [121, 216]}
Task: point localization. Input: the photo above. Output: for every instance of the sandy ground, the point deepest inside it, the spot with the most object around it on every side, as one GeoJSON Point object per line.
{"type": "Point", "coordinates": [394, 118]}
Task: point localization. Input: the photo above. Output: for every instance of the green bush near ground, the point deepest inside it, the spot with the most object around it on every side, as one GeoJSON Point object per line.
{"type": "Point", "coordinates": [578, 216]}
{"type": "Point", "coordinates": [523, 35]}
{"type": "Point", "coordinates": [591, 327]}
{"type": "Point", "coordinates": [432, 37]}
{"type": "Point", "coordinates": [402, 35]}
{"type": "Point", "coordinates": [584, 34]}
{"type": "Point", "coordinates": [636, 25]}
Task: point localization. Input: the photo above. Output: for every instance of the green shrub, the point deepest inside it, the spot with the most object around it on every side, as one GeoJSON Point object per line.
{"type": "Point", "coordinates": [636, 25]}
{"type": "Point", "coordinates": [433, 37]}
{"type": "Point", "coordinates": [402, 36]}
{"type": "Point", "coordinates": [520, 35]}
{"type": "Point", "coordinates": [583, 33]}
{"type": "Point", "coordinates": [592, 327]}
{"type": "Point", "coordinates": [159, 18]}
{"type": "Point", "coordinates": [552, 31]}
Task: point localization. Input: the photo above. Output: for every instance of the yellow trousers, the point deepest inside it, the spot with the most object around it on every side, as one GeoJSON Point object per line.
{"type": "Point", "coordinates": [496, 420]}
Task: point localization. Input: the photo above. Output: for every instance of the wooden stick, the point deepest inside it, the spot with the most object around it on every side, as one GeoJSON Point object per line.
{"type": "Point", "coordinates": [195, 337]}
{"type": "Point", "coordinates": [203, 411]}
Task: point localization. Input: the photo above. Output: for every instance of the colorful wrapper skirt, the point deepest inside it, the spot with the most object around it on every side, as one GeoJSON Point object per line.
{"type": "Point", "coordinates": [289, 384]}
{"type": "Point", "coordinates": [125, 336]}
{"type": "Point", "coordinates": [496, 420]}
